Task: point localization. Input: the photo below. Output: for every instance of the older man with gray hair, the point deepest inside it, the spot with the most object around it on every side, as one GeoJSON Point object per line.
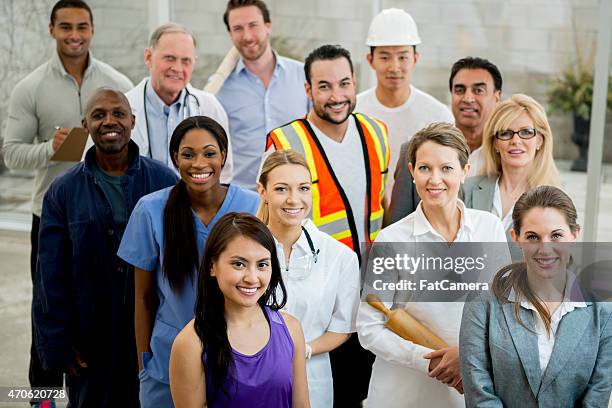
{"type": "Point", "coordinates": [162, 100]}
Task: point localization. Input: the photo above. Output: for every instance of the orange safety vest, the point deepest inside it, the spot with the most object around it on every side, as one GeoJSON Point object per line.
{"type": "Point", "coordinates": [331, 210]}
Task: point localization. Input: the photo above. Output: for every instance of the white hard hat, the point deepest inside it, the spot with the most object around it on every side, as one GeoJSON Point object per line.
{"type": "Point", "coordinates": [393, 27]}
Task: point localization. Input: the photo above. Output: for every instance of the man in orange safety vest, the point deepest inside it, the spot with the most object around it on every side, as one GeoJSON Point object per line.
{"type": "Point", "coordinates": [348, 157]}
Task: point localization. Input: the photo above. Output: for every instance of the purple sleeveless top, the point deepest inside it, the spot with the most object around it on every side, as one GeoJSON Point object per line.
{"type": "Point", "coordinates": [263, 379]}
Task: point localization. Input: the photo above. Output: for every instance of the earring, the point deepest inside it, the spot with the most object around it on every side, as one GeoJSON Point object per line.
{"type": "Point", "coordinates": [413, 181]}
{"type": "Point", "coordinates": [497, 151]}
{"type": "Point", "coordinates": [537, 148]}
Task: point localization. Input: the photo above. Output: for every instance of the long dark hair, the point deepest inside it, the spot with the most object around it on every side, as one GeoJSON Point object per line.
{"type": "Point", "coordinates": [515, 276]}
{"type": "Point", "coordinates": [210, 324]}
{"type": "Point", "coordinates": [180, 241]}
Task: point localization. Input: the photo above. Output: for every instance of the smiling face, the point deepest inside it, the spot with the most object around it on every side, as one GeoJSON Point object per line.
{"type": "Point", "coordinates": [473, 99]}
{"type": "Point", "coordinates": [199, 160]}
{"type": "Point", "coordinates": [287, 192]}
{"type": "Point", "coordinates": [72, 30]}
{"type": "Point", "coordinates": [243, 271]}
{"type": "Point", "coordinates": [393, 65]}
{"type": "Point", "coordinates": [518, 152]}
{"type": "Point", "coordinates": [332, 90]}
{"type": "Point", "coordinates": [545, 239]}
{"type": "Point", "coordinates": [437, 175]}
{"type": "Point", "coordinates": [171, 64]}
{"type": "Point", "coordinates": [109, 121]}
{"type": "Point", "coordinates": [248, 31]}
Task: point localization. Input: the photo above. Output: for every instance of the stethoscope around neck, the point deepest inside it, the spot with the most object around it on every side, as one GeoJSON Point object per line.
{"type": "Point", "coordinates": [188, 110]}
{"type": "Point", "coordinates": [314, 251]}
{"type": "Point", "coordinates": [301, 267]}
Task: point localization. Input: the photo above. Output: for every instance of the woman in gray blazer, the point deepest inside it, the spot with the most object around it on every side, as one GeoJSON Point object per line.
{"type": "Point", "coordinates": [527, 342]}
{"type": "Point", "coordinates": [517, 147]}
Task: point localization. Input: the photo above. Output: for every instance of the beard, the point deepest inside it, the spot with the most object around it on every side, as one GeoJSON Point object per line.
{"type": "Point", "coordinates": [111, 148]}
{"type": "Point", "coordinates": [322, 113]}
{"type": "Point", "coordinates": [253, 54]}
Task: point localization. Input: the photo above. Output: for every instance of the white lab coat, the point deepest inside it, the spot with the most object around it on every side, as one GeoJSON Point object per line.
{"type": "Point", "coordinates": [207, 105]}
{"type": "Point", "coordinates": [399, 375]}
{"type": "Point", "coordinates": [324, 296]}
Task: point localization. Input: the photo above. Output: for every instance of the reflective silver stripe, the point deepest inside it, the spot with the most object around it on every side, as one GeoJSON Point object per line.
{"type": "Point", "coordinates": [293, 138]}
{"type": "Point", "coordinates": [375, 225]}
{"type": "Point", "coordinates": [333, 227]}
{"type": "Point", "coordinates": [381, 138]}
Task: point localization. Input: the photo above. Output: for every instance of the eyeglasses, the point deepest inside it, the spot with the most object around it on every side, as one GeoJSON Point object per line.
{"type": "Point", "coordinates": [526, 133]}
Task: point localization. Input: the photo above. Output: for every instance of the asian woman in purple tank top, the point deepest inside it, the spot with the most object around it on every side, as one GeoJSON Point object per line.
{"type": "Point", "coordinates": [239, 351]}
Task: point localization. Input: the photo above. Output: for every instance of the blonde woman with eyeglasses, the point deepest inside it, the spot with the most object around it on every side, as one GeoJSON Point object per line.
{"type": "Point", "coordinates": [517, 147]}
{"type": "Point", "coordinates": [321, 274]}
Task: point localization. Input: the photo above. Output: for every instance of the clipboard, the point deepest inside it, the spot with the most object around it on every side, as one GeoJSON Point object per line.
{"type": "Point", "coordinates": [71, 150]}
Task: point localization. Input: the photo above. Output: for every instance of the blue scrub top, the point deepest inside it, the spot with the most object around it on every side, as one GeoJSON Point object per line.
{"type": "Point", "coordinates": [142, 246]}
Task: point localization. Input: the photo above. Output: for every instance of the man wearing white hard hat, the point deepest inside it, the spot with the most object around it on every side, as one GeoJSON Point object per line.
{"type": "Point", "coordinates": [392, 38]}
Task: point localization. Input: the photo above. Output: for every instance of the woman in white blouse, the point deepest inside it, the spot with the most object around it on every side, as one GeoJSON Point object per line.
{"type": "Point", "coordinates": [517, 145]}
{"type": "Point", "coordinates": [321, 275]}
{"type": "Point", "coordinates": [404, 374]}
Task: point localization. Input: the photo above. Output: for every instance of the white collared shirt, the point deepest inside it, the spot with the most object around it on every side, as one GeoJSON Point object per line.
{"type": "Point", "coordinates": [323, 296]}
{"type": "Point", "coordinates": [399, 375]}
{"type": "Point", "coordinates": [546, 341]}
{"type": "Point", "coordinates": [498, 208]}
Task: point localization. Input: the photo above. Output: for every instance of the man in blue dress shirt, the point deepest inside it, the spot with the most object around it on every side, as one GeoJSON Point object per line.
{"type": "Point", "coordinates": [264, 91]}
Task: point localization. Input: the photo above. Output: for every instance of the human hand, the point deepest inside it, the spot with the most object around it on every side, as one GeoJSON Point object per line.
{"type": "Point", "coordinates": [444, 365]}
{"type": "Point", "coordinates": [76, 366]}
{"type": "Point", "coordinates": [59, 137]}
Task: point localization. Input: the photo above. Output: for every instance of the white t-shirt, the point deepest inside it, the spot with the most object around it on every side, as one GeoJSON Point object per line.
{"type": "Point", "coordinates": [399, 374]}
{"type": "Point", "coordinates": [419, 110]}
{"type": "Point", "coordinates": [323, 296]}
{"type": "Point", "coordinates": [347, 162]}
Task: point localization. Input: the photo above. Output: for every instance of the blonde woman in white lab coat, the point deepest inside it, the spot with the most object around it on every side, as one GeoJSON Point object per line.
{"type": "Point", "coordinates": [321, 275]}
{"type": "Point", "coordinates": [403, 374]}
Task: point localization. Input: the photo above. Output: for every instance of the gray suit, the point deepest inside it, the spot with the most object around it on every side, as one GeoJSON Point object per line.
{"type": "Point", "coordinates": [478, 192]}
{"type": "Point", "coordinates": [500, 364]}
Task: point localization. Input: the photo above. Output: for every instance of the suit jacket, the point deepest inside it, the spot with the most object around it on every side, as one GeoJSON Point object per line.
{"type": "Point", "coordinates": [500, 361]}
{"type": "Point", "coordinates": [404, 197]}
{"type": "Point", "coordinates": [478, 192]}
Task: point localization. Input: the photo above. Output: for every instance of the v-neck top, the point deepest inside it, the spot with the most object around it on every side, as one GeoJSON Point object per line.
{"type": "Point", "coordinates": [142, 246]}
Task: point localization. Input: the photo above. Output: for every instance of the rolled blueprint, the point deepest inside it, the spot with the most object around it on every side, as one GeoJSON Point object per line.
{"type": "Point", "coordinates": [216, 80]}
{"type": "Point", "coordinates": [407, 327]}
